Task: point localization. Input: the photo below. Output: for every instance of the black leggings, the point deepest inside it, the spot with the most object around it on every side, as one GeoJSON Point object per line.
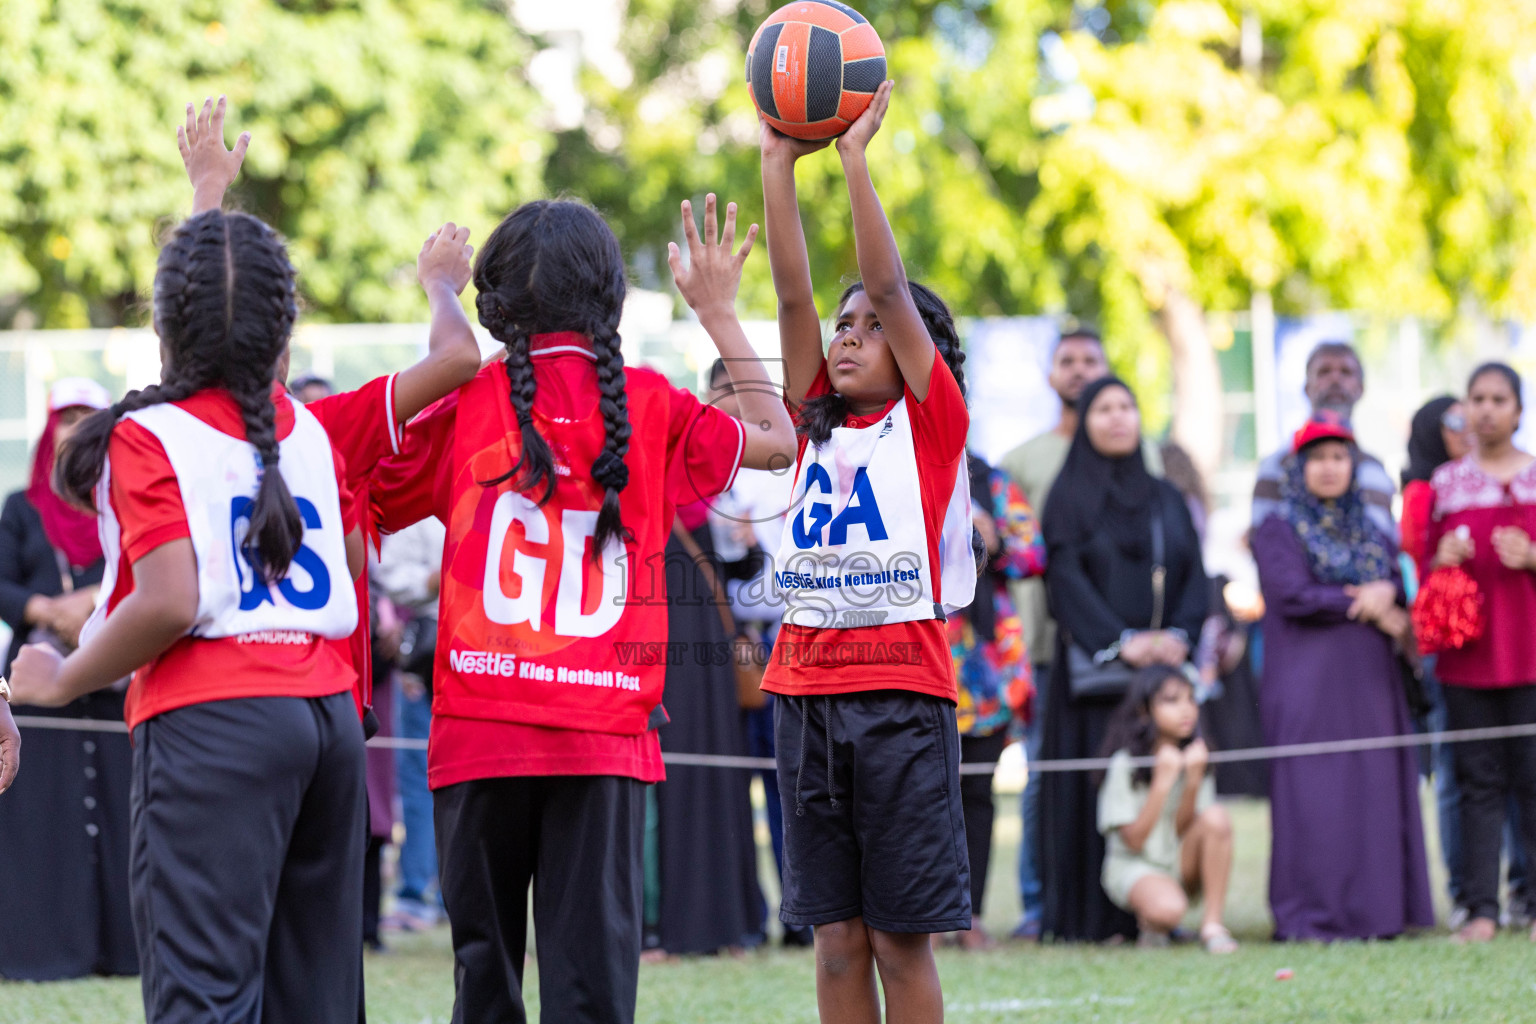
{"type": "Point", "coordinates": [1488, 772]}
{"type": "Point", "coordinates": [577, 841]}
{"type": "Point", "coordinates": [977, 806]}
{"type": "Point", "coordinates": [248, 822]}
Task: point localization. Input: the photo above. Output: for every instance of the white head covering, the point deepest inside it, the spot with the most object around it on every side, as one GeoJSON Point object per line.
{"type": "Point", "coordinates": [72, 391]}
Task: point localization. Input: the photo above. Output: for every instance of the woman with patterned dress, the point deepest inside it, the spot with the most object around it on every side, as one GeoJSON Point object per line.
{"type": "Point", "coordinates": [1484, 515]}
{"type": "Point", "coordinates": [991, 660]}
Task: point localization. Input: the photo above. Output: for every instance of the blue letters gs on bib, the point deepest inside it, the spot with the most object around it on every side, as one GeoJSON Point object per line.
{"type": "Point", "coordinates": [250, 598]}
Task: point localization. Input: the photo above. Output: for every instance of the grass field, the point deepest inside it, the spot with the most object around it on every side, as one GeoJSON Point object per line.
{"type": "Point", "coordinates": [1422, 979]}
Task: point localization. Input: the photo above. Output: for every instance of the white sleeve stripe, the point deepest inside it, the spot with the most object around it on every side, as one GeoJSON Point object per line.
{"type": "Point", "coordinates": [389, 414]}
{"type": "Point", "coordinates": [741, 449]}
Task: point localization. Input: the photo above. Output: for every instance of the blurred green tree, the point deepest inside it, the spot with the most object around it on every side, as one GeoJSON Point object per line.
{"type": "Point", "coordinates": [372, 123]}
{"type": "Point", "coordinates": [1373, 156]}
{"type": "Point", "coordinates": [1136, 164]}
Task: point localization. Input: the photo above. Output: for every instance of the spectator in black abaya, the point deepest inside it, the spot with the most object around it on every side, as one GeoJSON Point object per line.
{"type": "Point", "coordinates": [64, 825]}
{"type": "Point", "coordinates": [385, 628]}
{"type": "Point", "coordinates": [708, 897]}
{"type": "Point", "coordinates": [1099, 527]}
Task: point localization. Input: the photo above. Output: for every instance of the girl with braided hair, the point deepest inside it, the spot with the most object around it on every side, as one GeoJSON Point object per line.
{"type": "Point", "coordinates": [557, 472]}
{"type": "Point", "coordinates": [229, 562]}
{"type": "Point", "coordinates": [877, 550]}
{"type": "Point", "coordinates": [364, 424]}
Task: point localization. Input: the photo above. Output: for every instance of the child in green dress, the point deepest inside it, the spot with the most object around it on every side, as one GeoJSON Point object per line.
{"type": "Point", "coordinates": [1167, 841]}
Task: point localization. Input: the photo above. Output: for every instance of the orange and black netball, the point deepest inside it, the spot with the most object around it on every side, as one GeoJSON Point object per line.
{"type": "Point", "coordinates": [813, 67]}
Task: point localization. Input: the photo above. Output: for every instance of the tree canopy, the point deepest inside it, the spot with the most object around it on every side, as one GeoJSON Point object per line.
{"type": "Point", "coordinates": [372, 122]}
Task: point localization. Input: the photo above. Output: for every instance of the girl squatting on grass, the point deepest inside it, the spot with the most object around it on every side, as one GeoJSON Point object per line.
{"type": "Point", "coordinates": [868, 751]}
{"type": "Point", "coordinates": [1167, 839]}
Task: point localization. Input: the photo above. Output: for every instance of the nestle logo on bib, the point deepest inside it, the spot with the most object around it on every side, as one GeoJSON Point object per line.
{"type": "Point", "coordinates": [494, 663]}
{"type": "Point", "coordinates": [482, 663]}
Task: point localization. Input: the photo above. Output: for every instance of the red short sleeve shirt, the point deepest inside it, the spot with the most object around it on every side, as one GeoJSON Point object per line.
{"type": "Point", "coordinates": [704, 452]}
{"type": "Point", "coordinates": [146, 499]}
{"type": "Point", "coordinates": [1465, 495]}
{"type": "Point", "coordinates": [912, 656]}
{"type": "Point", "coordinates": [363, 427]}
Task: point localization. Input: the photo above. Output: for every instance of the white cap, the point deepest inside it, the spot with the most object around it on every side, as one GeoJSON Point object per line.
{"type": "Point", "coordinates": [72, 391]}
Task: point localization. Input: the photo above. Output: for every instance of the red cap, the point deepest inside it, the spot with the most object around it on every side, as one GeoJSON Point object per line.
{"type": "Point", "coordinates": [1324, 425]}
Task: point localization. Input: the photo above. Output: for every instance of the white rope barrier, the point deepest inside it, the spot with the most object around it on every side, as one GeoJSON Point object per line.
{"type": "Point", "coordinates": [1076, 764]}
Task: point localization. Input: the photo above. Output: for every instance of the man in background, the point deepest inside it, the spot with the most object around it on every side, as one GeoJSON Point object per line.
{"type": "Point", "coordinates": [310, 387]}
{"type": "Point", "coordinates": [1335, 382]}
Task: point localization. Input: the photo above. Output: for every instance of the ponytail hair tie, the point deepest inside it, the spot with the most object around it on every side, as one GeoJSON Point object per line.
{"type": "Point", "coordinates": [268, 460]}
{"type": "Point", "coordinates": [610, 471]}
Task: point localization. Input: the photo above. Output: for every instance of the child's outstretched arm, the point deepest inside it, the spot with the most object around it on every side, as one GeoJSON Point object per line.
{"type": "Point", "coordinates": [159, 611]}
{"type": "Point", "coordinates": [709, 285]}
{"type": "Point", "coordinates": [210, 166]}
{"type": "Point", "coordinates": [799, 324]}
{"type": "Point", "coordinates": [453, 355]}
{"type": "Point", "coordinates": [880, 267]}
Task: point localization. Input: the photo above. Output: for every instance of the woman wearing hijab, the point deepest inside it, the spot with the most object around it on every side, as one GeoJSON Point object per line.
{"type": "Point", "coordinates": [702, 886]}
{"type": "Point", "coordinates": [64, 824]}
{"type": "Point", "coordinates": [1347, 860]}
{"type": "Point", "coordinates": [1102, 524]}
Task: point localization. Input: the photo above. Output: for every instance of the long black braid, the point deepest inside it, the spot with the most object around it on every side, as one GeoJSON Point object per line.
{"type": "Point", "coordinates": [819, 416]}
{"type": "Point", "coordinates": [224, 310]}
{"type": "Point", "coordinates": [554, 265]}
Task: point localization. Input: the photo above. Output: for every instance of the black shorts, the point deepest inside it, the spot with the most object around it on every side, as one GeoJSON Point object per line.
{"type": "Point", "coordinates": [875, 829]}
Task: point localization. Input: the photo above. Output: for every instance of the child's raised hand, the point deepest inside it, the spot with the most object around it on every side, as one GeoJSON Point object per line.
{"type": "Point", "coordinates": [775, 144]}
{"type": "Point", "coordinates": [856, 138]}
{"type": "Point", "coordinates": [1167, 763]}
{"type": "Point", "coordinates": [713, 274]}
{"type": "Point", "coordinates": [210, 167]}
{"type": "Point", "coordinates": [1196, 756]}
{"type": "Point", "coordinates": [444, 258]}
{"type": "Point", "coordinates": [35, 677]}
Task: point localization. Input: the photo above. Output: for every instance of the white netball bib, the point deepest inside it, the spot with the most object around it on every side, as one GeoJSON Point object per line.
{"type": "Point", "coordinates": [855, 547]}
{"type": "Point", "coordinates": [217, 477]}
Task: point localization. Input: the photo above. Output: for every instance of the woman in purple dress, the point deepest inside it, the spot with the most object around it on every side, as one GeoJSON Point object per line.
{"type": "Point", "coordinates": [1347, 860]}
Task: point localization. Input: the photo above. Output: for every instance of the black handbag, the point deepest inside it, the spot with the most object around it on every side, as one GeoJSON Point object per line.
{"type": "Point", "coordinates": [1410, 668]}
{"type": "Point", "coordinates": [1091, 677]}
